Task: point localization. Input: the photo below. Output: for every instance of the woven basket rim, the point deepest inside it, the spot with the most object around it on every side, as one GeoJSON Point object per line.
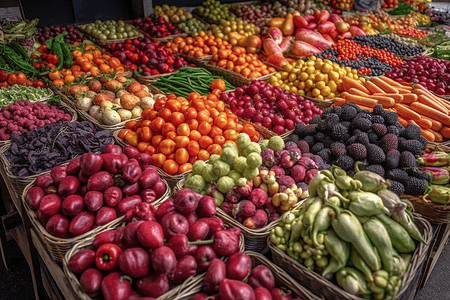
{"type": "Point", "coordinates": [416, 261]}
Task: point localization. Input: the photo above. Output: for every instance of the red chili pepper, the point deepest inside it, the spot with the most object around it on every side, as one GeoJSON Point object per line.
{"type": "Point", "coordinates": [42, 49]}
{"type": "Point", "coordinates": [107, 256]}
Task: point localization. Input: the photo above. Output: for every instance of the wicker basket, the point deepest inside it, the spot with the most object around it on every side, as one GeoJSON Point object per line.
{"type": "Point", "coordinates": [20, 183]}
{"type": "Point", "coordinates": [434, 212]}
{"type": "Point", "coordinates": [176, 293]}
{"type": "Point", "coordinates": [255, 239]}
{"type": "Point", "coordinates": [266, 133]}
{"type": "Point", "coordinates": [446, 97]}
{"type": "Point", "coordinates": [321, 286]}
{"type": "Point", "coordinates": [320, 103]}
{"type": "Point", "coordinates": [198, 61]}
{"type": "Point", "coordinates": [232, 77]}
{"type": "Point", "coordinates": [146, 79]}
{"type": "Point", "coordinates": [153, 89]}
{"type": "Point", "coordinates": [58, 247]}
{"type": "Point", "coordinates": [166, 38]}
{"type": "Point", "coordinates": [282, 280]}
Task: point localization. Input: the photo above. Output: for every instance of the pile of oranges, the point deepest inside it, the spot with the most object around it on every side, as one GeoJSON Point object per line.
{"type": "Point", "coordinates": [92, 63]}
{"type": "Point", "coordinates": [202, 45]}
{"type": "Point", "coordinates": [179, 131]}
{"type": "Point", "coordinates": [238, 60]}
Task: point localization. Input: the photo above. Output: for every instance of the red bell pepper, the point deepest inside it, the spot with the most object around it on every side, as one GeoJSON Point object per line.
{"type": "Point", "coordinates": [52, 59]}
{"type": "Point", "coordinates": [116, 286]}
{"type": "Point", "coordinates": [132, 171]}
{"type": "Point", "coordinates": [165, 208]}
{"type": "Point", "coordinates": [204, 255]}
{"type": "Point", "coordinates": [163, 260]}
{"type": "Point", "coordinates": [103, 238]}
{"type": "Point", "coordinates": [42, 49]}
{"type": "Point", "coordinates": [107, 256]}
{"type": "Point", "coordinates": [216, 273]}
{"type": "Point", "coordinates": [129, 235]}
{"type": "Point", "coordinates": [150, 234]}
{"type": "Point", "coordinates": [134, 262]}
{"type": "Point", "coordinates": [239, 266]}
{"type": "Point", "coordinates": [81, 261]}
{"type": "Point", "coordinates": [235, 290]}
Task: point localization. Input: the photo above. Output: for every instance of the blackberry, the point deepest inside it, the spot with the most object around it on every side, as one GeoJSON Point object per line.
{"type": "Point", "coordinates": [378, 109]}
{"type": "Point", "coordinates": [358, 151]}
{"type": "Point", "coordinates": [375, 154]}
{"type": "Point", "coordinates": [316, 148]}
{"type": "Point", "coordinates": [393, 129]}
{"type": "Point", "coordinates": [325, 154]}
{"type": "Point", "coordinates": [315, 120]}
{"type": "Point", "coordinates": [378, 169]}
{"type": "Point", "coordinates": [379, 129]}
{"type": "Point", "coordinates": [310, 140]}
{"type": "Point", "coordinates": [397, 175]}
{"type": "Point", "coordinates": [338, 149]}
{"type": "Point", "coordinates": [362, 123]}
{"type": "Point", "coordinates": [345, 162]}
{"type": "Point", "coordinates": [390, 117]}
{"type": "Point", "coordinates": [300, 130]}
{"type": "Point", "coordinates": [412, 131]}
{"type": "Point", "coordinates": [397, 187]}
{"type": "Point", "coordinates": [415, 186]}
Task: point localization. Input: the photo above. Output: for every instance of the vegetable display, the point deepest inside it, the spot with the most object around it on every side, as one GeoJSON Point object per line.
{"type": "Point", "coordinates": [179, 249]}
{"type": "Point", "coordinates": [15, 59]}
{"type": "Point", "coordinates": [23, 116]}
{"type": "Point", "coordinates": [436, 165]}
{"type": "Point", "coordinates": [232, 283]}
{"type": "Point", "coordinates": [11, 79]}
{"type": "Point", "coordinates": [252, 13]}
{"type": "Point", "coordinates": [214, 11]}
{"type": "Point", "coordinates": [74, 198]}
{"type": "Point", "coordinates": [200, 46]}
{"type": "Point", "coordinates": [391, 45]}
{"type": "Point", "coordinates": [156, 27]}
{"type": "Point", "coordinates": [413, 32]}
{"type": "Point", "coordinates": [151, 57]}
{"type": "Point", "coordinates": [20, 92]}
{"type": "Point", "coordinates": [348, 135]}
{"type": "Point", "coordinates": [187, 80]}
{"type": "Point", "coordinates": [172, 13]}
{"type": "Point", "coordinates": [192, 26]}
{"type": "Point", "coordinates": [179, 131]}
{"type": "Point", "coordinates": [414, 105]}
{"type": "Point", "coordinates": [227, 29]}
{"type": "Point", "coordinates": [111, 101]}
{"type": "Point", "coordinates": [48, 32]}
{"type": "Point", "coordinates": [45, 147]}
{"type": "Point", "coordinates": [19, 31]}
{"type": "Point", "coordinates": [271, 107]}
{"type": "Point", "coordinates": [344, 229]}
{"type": "Point", "coordinates": [316, 78]}
{"type": "Point", "coordinates": [380, 21]}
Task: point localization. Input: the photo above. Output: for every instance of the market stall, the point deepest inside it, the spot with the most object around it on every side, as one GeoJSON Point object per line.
{"type": "Point", "coordinates": [286, 150]}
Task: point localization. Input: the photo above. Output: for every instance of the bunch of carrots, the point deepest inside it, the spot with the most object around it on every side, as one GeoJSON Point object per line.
{"type": "Point", "coordinates": [413, 103]}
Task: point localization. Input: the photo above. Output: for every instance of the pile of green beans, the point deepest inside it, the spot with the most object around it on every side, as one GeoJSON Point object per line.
{"type": "Point", "coordinates": [188, 80]}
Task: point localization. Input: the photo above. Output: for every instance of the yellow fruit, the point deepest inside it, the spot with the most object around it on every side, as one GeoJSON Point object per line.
{"type": "Point", "coordinates": [309, 83]}
{"type": "Point", "coordinates": [301, 85]}
{"type": "Point", "coordinates": [310, 63]}
{"type": "Point", "coordinates": [294, 89]}
{"type": "Point", "coordinates": [331, 96]}
{"type": "Point", "coordinates": [284, 75]}
{"type": "Point", "coordinates": [278, 75]}
{"type": "Point", "coordinates": [320, 77]}
{"type": "Point", "coordinates": [320, 97]}
{"type": "Point", "coordinates": [315, 92]}
{"type": "Point", "coordinates": [332, 85]}
{"type": "Point", "coordinates": [286, 87]}
{"type": "Point", "coordinates": [326, 68]}
{"type": "Point", "coordinates": [333, 75]}
{"type": "Point", "coordinates": [325, 91]}
{"type": "Point", "coordinates": [303, 76]}
{"type": "Point", "coordinates": [301, 92]}
{"type": "Point", "coordinates": [320, 85]}
{"type": "Point", "coordinates": [288, 67]}
{"type": "Point", "coordinates": [292, 77]}
{"type": "Point", "coordinates": [310, 70]}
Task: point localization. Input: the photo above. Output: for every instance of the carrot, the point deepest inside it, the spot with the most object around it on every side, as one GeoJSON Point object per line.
{"type": "Point", "coordinates": [366, 107]}
{"type": "Point", "coordinates": [409, 98]}
{"type": "Point", "coordinates": [339, 101]}
{"type": "Point", "coordinates": [385, 101]}
{"type": "Point", "coordinates": [404, 83]}
{"type": "Point", "coordinates": [437, 136]}
{"type": "Point", "coordinates": [390, 81]}
{"type": "Point", "coordinates": [344, 95]}
{"type": "Point", "coordinates": [435, 125]}
{"type": "Point", "coordinates": [402, 121]}
{"type": "Point", "coordinates": [357, 92]}
{"type": "Point", "coordinates": [412, 122]}
{"type": "Point", "coordinates": [422, 91]}
{"type": "Point", "coordinates": [430, 112]}
{"type": "Point", "coordinates": [404, 91]}
{"type": "Point", "coordinates": [373, 88]}
{"type": "Point", "coordinates": [445, 131]}
{"type": "Point", "coordinates": [384, 86]}
{"type": "Point", "coordinates": [364, 101]}
{"type": "Point", "coordinates": [428, 135]}
{"type": "Point", "coordinates": [398, 98]}
{"type": "Point", "coordinates": [407, 113]}
{"type": "Point", "coordinates": [426, 124]}
{"type": "Point", "coordinates": [427, 101]}
{"type": "Point", "coordinates": [350, 83]}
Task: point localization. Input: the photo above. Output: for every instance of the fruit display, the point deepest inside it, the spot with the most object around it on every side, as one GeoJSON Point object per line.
{"type": "Point", "coordinates": [110, 30]}
{"type": "Point", "coordinates": [75, 198]}
{"type": "Point", "coordinates": [193, 25]}
{"type": "Point", "coordinates": [253, 13]}
{"type": "Point", "coordinates": [375, 140]}
{"type": "Point", "coordinates": [157, 27]}
{"type": "Point", "coordinates": [422, 18]}
{"type": "Point", "coordinates": [414, 106]}
{"type": "Point", "coordinates": [214, 11]}
{"type": "Point", "coordinates": [227, 280]}
{"type": "Point", "coordinates": [239, 61]}
{"type": "Point", "coordinates": [413, 32]}
{"type": "Point", "coordinates": [429, 72]}
{"type": "Point", "coordinates": [227, 29]}
{"type": "Point", "coordinates": [172, 13]}
{"type": "Point", "coordinates": [17, 92]}
{"type": "Point", "coordinates": [48, 32]}
{"type": "Point", "coordinates": [152, 58]}
{"type": "Point", "coordinates": [316, 78]}
{"type": "Point", "coordinates": [406, 40]}
{"type": "Point", "coordinates": [355, 229]}
{"type": "Point", "coordinates": [402, 9]}
{"type": "Point", "coordinates": [367, 60]}
{"type": "Point", "coordinates": [270, 106]}
{"type": "Point", "coordinates": [22, 32]}
{"type": "Point", "coordinates": [391, 45]}
{"type": "Point", "coordinates": [435, 38]}
{"type": "Point", "coordinates": [15, 59]}
{"type": "Point", "coordinates": [202, 45]}
{"type": "Point", "coordinates": [45, 147]}
{"type": "Point", "coordinates": [13, 79]}
{"type": "Point", "coordinates": [187, 80]}
{"type": "Point", "coordinates": [179, 249]}
{"type": "Point", "coordinates": [179, 131]}
{"type": "Point", "coordinates": [435, 165]}
{"type": "Point", "coordinates": [380, 21]}
{"type": "Point", "coordinates": [29, 116]}
{"type": "Point", "coordinates": [391, 4]}
{"type": "Point", "coordinates": [283, 7]}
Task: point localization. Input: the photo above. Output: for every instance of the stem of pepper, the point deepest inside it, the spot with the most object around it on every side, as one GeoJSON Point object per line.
{"type": "Point", "coordinates": [205, 242]}
{"type": "Point", "coordinates": [106, 257]}
{"type": "Point", "coordinates": [126, 277]}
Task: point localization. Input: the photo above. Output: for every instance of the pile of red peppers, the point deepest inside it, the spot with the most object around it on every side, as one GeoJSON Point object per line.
{"type": "Point", "coordinates": [139, 260]}
{"type": "Point", "coordinates": [236, 280]}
